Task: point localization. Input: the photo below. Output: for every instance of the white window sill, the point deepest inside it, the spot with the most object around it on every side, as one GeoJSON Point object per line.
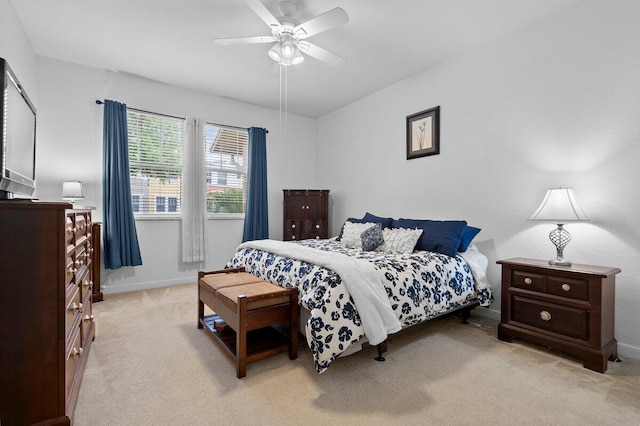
{"type": "Point", "coordinates": [220, 216]}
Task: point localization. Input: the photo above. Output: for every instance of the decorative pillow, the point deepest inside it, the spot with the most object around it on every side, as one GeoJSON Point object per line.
{"type": "Point", "coordinates": [372, 237]}
{"type": "Point", "coordinates": [386, 222]}
{"type": "Point", "coordinates": [351, 233]}
{"type": "Point", "coordinates": [441, 236]}
{"type": "Point", "coordinates": [399, 240]}
{"type": "Point", "coordinates": [468, 234]}
{"type": "Point", "coordinates": [352, 220]}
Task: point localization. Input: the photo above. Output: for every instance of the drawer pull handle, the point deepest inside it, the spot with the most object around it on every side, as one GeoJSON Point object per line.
{"type": "Point", "coordinates": [317, 226]}
{"type": "Point", "coordinates": [545, 316]}
{"type": "Point", "coordinates": [566, 287]}
{"type": "Point", "coordinates": [317, 237]}
{"type": "Point", "coordinates": [293, 237]}
{"type": "Point", "coordinates": [76, 352]}
{"type": "Point", "coordinates": [528, 280]}
{"type": "Point", "coordinates": [88, 317]}
{"type": "Point", "coordinates": [75, 307]}
{"type": "Point", "coordinates": [293, 226]}
{"type": "Point", "coordinates": [86, 283]}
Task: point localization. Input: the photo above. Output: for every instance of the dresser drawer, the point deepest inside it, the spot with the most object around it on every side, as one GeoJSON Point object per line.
{"type": "Point", "coordinates": [73, 354]}
{"type": "Point", "coordinates": [529, 281]}
{"type": "Point", "coordinates": [568, 287]}
{"type": "Point", "coordinates": [560, 319]}
{"type": "Point", "coordinates": [87, 319]}
{"type": "Point", "coordinates": [73, 307]}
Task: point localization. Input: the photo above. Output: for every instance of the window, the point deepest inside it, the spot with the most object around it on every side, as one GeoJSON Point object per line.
{"type": "Point", "coordinates": [135, 200]}
{"type": "Point", "coordinates": [155, 159]}
{"type": "Point", "coordinates": [173, 204]}
{"type": "Point", "coordinates": [160, 203]}
{"type": "Point", "coordinates": [226, 168]}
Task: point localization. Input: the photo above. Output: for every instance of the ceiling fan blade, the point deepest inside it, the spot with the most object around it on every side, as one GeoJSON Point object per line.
{"type": "Point", "coordinates": [321, 23]}
{"type": "Point", "coordinates": [321, 54]}
{"type": "Point", "coordinates": [264, 14]}
{"type": "Point", "coordinates": [244, 40]}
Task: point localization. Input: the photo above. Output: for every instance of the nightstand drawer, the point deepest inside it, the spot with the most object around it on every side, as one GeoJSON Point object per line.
{"type": "Point", "coordinates": [567, 287]}
{"type": "Point", "coordinates": [549, 316]}
{"type": "Point", "coordinates": [529, 281]}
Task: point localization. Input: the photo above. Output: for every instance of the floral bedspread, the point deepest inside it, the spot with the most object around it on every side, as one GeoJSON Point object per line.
{"type": "Point", "coordinates": [420, 286]}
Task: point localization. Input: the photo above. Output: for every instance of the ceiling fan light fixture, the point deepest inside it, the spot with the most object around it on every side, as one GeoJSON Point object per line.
{"type": "Point", "coordinates": [297, 58]}
{"type": "Point", "coordinates": [274, 52]}
{"type": "Point", "coordinates": [288, 48]}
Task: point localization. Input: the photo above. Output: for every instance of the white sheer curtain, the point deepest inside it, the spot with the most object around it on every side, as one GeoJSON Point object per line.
{"type": "Point", "coordinates": [194, 187]}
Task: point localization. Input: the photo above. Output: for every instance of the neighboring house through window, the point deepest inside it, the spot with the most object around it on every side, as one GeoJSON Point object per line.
{"type": "Point", "coordinates": [155, 158]}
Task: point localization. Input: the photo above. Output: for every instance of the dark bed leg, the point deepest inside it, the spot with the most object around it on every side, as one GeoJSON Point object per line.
{"type": "Point", "coordinates": [382, 348]}
{"type": "Point", "coordinates": [466, 314]}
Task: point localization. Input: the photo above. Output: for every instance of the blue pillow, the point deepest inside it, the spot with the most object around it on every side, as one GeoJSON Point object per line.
{"type": "Point", "coordinates": [386, 222]}
{"type": "Point", "coordinates": [352, 220]}
{"type": "Point", "coordinates": [468, 234]}
{"type": "Point", "coordinates": [441, 236]}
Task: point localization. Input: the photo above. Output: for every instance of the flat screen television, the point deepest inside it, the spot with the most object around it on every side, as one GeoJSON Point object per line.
{"type": "Point", "coordinates": [18, 124]}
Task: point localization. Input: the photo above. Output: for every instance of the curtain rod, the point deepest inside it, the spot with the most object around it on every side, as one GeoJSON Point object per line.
{"type": "Point", "coordinates": [99, 102]}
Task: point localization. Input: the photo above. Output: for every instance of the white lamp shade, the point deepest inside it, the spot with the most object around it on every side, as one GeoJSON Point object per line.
{"type": "Point", "coordinates": [560, 206]}
{"type": "Point", "coordinates": [72, 190]}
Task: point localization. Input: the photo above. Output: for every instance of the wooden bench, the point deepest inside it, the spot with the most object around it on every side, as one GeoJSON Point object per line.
{"type": "Point", "coordinates": [251, 308]}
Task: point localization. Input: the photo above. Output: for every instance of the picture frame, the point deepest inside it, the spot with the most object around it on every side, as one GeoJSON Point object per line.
{"type": "Point", "coordinates": [423, 133]}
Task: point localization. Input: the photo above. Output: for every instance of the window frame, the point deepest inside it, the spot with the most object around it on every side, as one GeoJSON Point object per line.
{"type": "Point", "coordinates": [211, 178]}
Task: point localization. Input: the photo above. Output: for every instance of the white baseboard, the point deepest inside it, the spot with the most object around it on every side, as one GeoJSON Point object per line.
{"type": "Point", "coordinates": [628, 351]}
{"type": "Point", "coordinates": [113, 289]}
{"type": "Point", "coordinates": [487, 313]}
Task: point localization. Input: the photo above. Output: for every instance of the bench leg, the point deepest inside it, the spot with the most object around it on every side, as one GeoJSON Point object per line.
{"type": "Point", "coordinates": [241, 338]}
{"type": "Point", "coordinates": [293, 324]}
{"type": "Point", "coordinates": [200, 308]}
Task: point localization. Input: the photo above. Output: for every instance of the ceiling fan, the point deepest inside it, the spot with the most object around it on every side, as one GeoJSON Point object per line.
{"type": "Point", "coordinates": [290, 35]}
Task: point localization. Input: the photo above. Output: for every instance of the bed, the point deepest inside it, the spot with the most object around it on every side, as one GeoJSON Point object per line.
{"type": "Point", "coordinates": [416, 286]}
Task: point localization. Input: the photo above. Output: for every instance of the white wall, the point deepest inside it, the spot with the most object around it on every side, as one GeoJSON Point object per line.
{"type": "Point", "coordinates": [70, 147]}
{"type": "Point", "coordinates": [555, 104]}
{"type": "Point", "coordinates": [16, 49]}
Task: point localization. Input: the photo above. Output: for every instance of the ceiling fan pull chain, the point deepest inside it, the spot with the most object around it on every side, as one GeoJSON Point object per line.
{"type": "Point", "coordinates": [280, 98]}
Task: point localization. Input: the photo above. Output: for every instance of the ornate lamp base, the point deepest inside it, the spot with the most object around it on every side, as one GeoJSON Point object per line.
{"type": "Point", "coordinates": [560, 237]}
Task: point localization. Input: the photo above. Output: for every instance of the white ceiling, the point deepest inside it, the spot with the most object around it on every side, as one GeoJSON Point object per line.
{"type": "Point", "coordinates": [172, 41]}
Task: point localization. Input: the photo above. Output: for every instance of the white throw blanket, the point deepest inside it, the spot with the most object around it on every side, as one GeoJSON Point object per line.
{"type": "Point", "coordinates": [478, 264]}
{"type": "Point", "coordinates": [359, 276]}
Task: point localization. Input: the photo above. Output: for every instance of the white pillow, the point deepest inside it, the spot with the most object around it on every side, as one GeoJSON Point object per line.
{"type": "Point", "coordinates": [399, 240]}
{"type": "Point", "coordinates": [351, 233]}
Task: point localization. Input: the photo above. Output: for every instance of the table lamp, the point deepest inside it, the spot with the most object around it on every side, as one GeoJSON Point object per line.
{"type": "Point", "coordinates": [560, 206]}
{"type": "Point", "coordinates": [72, 191]}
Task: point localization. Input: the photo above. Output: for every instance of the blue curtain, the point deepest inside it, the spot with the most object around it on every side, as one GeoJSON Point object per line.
{"type": "Point", "coordinates": [120, 237]}
{"type": "Point", "coordinates": [256, 219]}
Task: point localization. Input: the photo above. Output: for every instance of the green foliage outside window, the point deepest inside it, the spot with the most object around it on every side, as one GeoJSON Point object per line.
{"type": "Point", "coordinates": [224, 202]}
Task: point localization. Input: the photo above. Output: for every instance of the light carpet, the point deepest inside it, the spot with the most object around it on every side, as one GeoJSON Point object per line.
{"type": "Point", "coordinates": [150, 365]}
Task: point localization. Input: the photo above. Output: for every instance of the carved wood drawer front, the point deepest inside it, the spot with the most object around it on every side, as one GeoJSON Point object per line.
{"type": "Point", "coordinates": [73, 353]}
{"type": "Point", "coordinates": [567, 287]}
{"type": "Point", "coordinates": [529, 281]}
{"type": "Point", "coordinates": [560, 319]}
{"type": "Point", "coordinates": [73, 308]}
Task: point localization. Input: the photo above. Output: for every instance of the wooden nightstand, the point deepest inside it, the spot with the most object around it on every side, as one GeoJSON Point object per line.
{"type": "Point", "coordinates": [567, 308]}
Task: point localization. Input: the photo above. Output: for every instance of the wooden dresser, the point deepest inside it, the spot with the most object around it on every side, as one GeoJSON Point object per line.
{"type": "Point", "coordinates": [567, 308]}
{"type": "Point", "coordinates": [306, 214]}
{"type": "Point", "coordinates": [46, 322]}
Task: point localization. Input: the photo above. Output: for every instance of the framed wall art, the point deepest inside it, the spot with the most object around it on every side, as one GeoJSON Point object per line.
{"type": "Point", "coordinates": [423, 133]}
